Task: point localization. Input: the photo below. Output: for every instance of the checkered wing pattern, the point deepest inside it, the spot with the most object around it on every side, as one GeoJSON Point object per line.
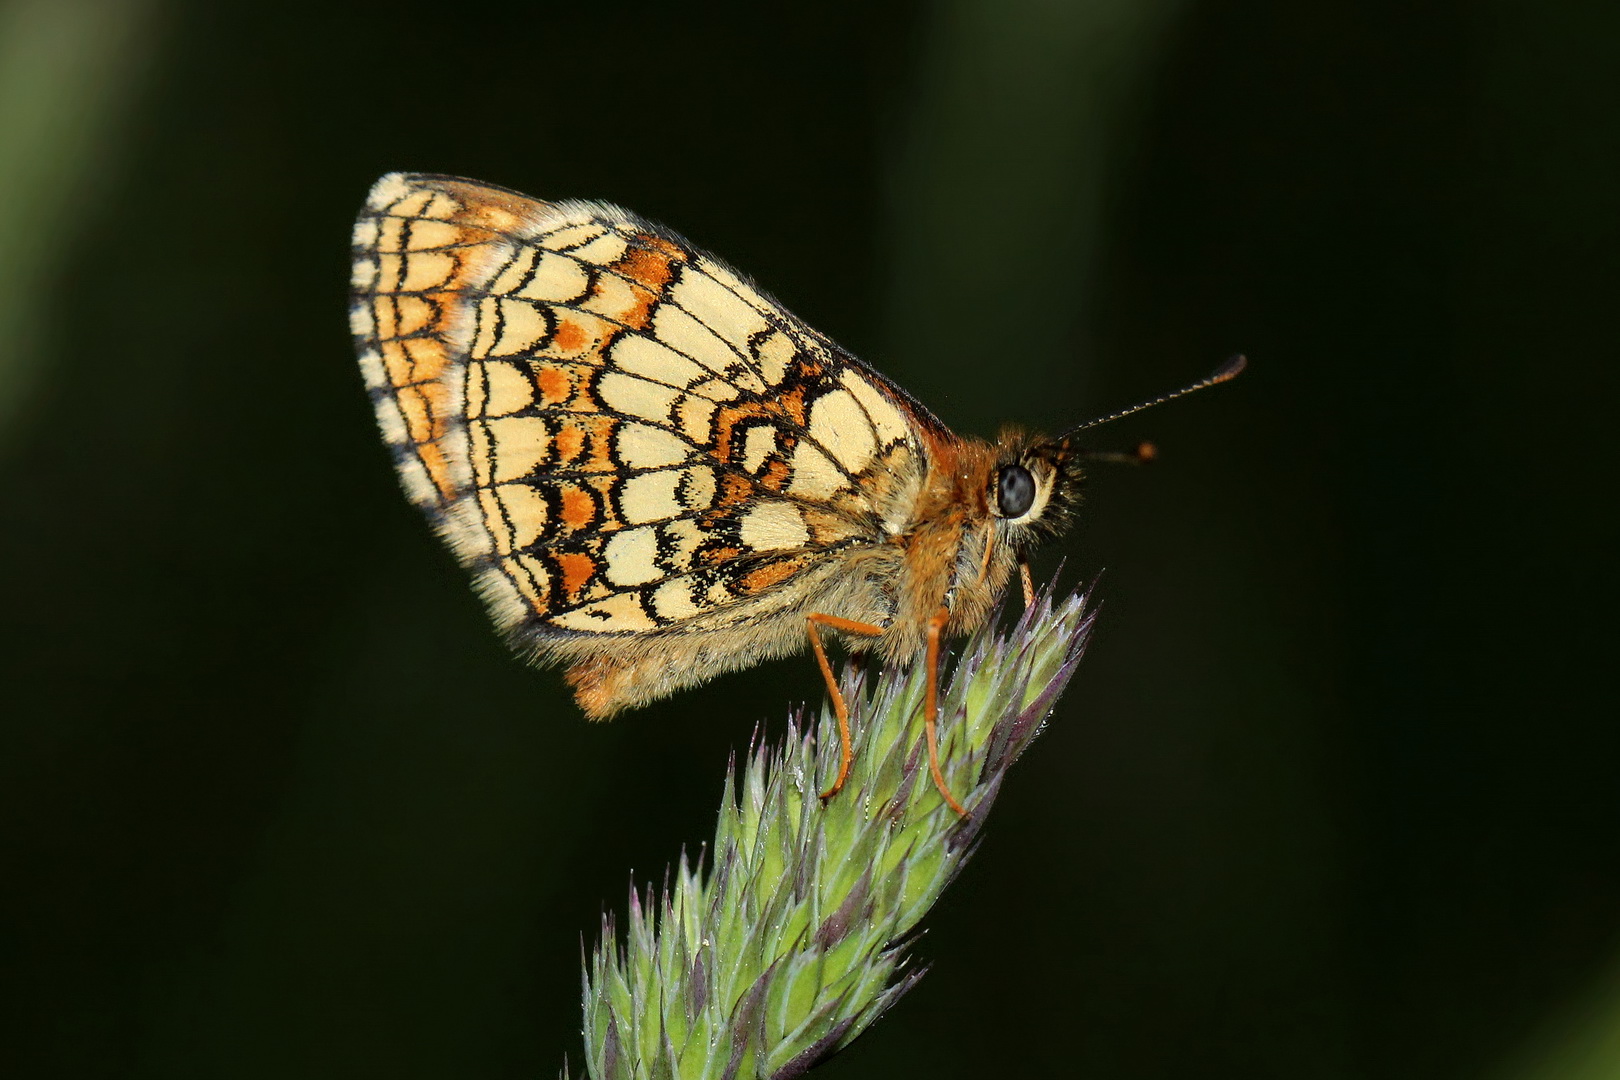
{"type": "Point", "coordinates": [614, 431]}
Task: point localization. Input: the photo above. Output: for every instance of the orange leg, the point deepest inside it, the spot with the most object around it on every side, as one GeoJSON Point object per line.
{"type": "Point", "coordinates": [1023, 568]}
{"type": "Point", "coordinates": [989, 548]}
{"type": "Point", "coordinates": [936, 626]}
{"type": "Point", "coordinates": [848, 626]}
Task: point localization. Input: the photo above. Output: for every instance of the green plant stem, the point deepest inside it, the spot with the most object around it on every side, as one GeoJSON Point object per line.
{"type": "Point", "coordinates": [797, 939]}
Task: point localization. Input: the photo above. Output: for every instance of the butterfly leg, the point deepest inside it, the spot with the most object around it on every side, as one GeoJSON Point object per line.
{"type": "Point", "coordinates": [936, 626]}
{"type": "Point", "coordinates": [989, 548]}
{"type": "Point", "coordinates": [848, 626]}
{"type": "Point", "coordinates": [1023, 568]}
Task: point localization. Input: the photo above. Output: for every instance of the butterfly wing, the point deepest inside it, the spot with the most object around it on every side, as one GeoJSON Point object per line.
{"type": "Point", "coordinates": [612, 430]}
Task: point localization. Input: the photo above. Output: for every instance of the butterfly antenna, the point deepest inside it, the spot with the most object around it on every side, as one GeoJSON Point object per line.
{"type": "Point", "coordinates": [1225, 373]}
{"type": "Point", "coordinates": [1140, 454]}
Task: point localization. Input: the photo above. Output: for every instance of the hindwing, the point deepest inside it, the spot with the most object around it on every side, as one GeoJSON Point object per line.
{"type": "Point", "coordinates": [613, 430]}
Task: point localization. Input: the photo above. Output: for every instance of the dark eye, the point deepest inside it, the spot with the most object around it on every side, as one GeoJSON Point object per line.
{"type": "Point", "coordinates": [1015, 491]}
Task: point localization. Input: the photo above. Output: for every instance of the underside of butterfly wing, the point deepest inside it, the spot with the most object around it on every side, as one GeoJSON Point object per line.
{"type": "Point", "coordinates": [652, 470]}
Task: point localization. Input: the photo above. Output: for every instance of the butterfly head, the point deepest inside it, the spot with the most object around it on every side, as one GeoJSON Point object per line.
{"type": "Point", "coordinates": [1034, 486]}
{"type": "Point", "coordinates": [1036, 483]}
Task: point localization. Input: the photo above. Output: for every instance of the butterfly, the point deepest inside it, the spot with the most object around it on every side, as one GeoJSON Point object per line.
{"type": "Point", "coordinates": [654, 472]}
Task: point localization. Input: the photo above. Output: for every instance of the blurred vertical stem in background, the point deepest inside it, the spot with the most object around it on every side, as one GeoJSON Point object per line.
{"type": "Point", "coordinates": [998, 187]}
{"type": "Point", "coordinates": [66, 71]}
{"type": "Point", "coordinates": [1581, 1040]}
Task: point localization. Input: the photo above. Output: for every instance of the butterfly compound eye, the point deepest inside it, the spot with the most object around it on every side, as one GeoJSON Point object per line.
{"type": "Point", "coordinates": [1015, 491]}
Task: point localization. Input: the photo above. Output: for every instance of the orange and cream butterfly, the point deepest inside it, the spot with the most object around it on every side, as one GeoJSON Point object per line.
{"type": "Point", "coordinates": [654, 472]}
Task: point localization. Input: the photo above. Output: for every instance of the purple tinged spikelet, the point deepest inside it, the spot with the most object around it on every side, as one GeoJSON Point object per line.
{"type": "Point", "coordinates": [797, 938]}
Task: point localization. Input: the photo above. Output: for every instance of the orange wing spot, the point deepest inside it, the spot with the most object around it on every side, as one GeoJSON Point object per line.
{"type": "Point", "coordinates": [412, 315]}
{"type": "Point", "coordinates": [649, 266]}
{"type": "Point", "coordinates": [425, 359]}
{"type": "Point", "coordinates": [576, 571]}
{"type": "Point", "coordinates": [569, 335]}
{"type": "Point", "coordinates": [601, 447]}
{"type": "Point", "coordinates": [586, 442]}
{"type": "Point", "coordinates": [423, 408]}
{"type": "Point", "coordinates": [384, 311]}
{"type": "Point", "coordinates": [648, 269]}
{"type": "Point", "coordinates": [727, 419]}
{"type": "Point", "coordinates": [771, 574]}
{"type": "Point", "coordinates": [569, 442]}
{"type": "Point", "coordinates": [578, 508]}
{"type": "Point", "coordinates": [776, 475]}
{"type": "Point", "coordinates": [792, 404]}
{"type": "Point", "coordinates": [807, 369]}
{"type": "Point", "coordinates": [724, 420]}
{"type": "Point", "coordinates": [635, 316]}
{"type": "Point", "coordinates": [555, 385]}
{"type": "Point", "coordinates": [716, 556]}
{"type": "Point", "coordinates": [438, 469]}
{"type": "Point", "coordinates": [414, 408]}
{"type": "Point", "coordinates": [396, 363]}
{"type": "Point", "coordinates": [733, 490]}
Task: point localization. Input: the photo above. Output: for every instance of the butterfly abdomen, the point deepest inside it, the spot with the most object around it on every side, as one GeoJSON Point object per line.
{"type": "Point", "coordinates": [611, 674]}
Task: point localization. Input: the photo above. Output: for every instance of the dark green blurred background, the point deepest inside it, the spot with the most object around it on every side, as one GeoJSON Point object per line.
{"type": "Point", "coordinates": [1333, 794]}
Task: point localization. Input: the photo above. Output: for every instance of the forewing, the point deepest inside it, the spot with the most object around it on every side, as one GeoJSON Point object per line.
{"type": "Point", "coordinates": [613, 430]}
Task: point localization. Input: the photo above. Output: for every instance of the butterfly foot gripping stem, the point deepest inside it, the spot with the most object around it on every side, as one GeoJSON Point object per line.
{"type": "Point", "coordinates": [936, 627]}
{"type": "Point", "coordinates": [848, 626]}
